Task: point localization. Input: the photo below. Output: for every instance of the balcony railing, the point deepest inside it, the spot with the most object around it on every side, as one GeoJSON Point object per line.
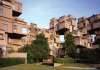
{"type": "Point", "coordinates": [6, 2]}
{"type": "Point", "coordinates": [20, 26]}
{"type": "Point", "coordinates": [80, 25]}
{"type": "Point", "coordinates": [62, 26]}
{"type": "Point", "coordinates": [77, 41]}
{"type": "Point", "coordinates": [96, 25]}
{"type": "Point", "coordinates": [95, 18]}
{"type": "Point", "coordinates": [15, 41]}
{"type": "Point", "coordinates": [89, 27]}
{"type": "Point", "coordinates": [17, 6]}
{"type": "Point", "coordinates": [82, 42]}
{"type": "Point", "coordinates": [93, 26]}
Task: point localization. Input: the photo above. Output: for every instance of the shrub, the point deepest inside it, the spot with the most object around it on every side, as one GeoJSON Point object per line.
{"type": "Point", "coordinates": [11, 61]}
{"type": "Point", "coordinates": [38, 50]}
{"type": "Point", "coordinates": [89, 56]}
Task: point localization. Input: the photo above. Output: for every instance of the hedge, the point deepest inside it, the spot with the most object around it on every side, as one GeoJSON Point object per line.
{"type": "Point", "coordinates": [4, 62]}
{"type": "Point", "coordinates": [89, 56]}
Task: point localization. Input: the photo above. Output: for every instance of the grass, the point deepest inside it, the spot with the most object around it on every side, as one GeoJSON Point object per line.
{"type": "Point", "coordinates": [63, 67]}
{"type": "Point", "coordinates": [69, 62]}
{"type": "Point", "coordinates": [28, 67]}
{"type": "Point", "coordinates": [64, 60]}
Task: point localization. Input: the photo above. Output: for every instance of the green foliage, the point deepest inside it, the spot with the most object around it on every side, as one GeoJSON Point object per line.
{"type": "Point", "coordinates": [69, 45]}
{"type": "Point", "coordinates": [11, 61]}
{"type": "Point", "coordinates": [89, 55]}
{"type": "Point", "coordinates": [69, 40]}
{"type": "Point", "coordinates": [38, 50]}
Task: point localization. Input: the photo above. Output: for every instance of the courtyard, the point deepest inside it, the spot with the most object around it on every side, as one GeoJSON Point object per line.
{"type": "Point", "coordinates": [57, 66]}
{"type": "Point", "coordinates": [28, 67]}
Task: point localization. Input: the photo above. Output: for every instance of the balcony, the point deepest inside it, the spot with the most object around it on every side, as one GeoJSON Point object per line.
{"type": "Point", "coordinates": [5, 9]}
{"type": "Point", "coordinates": [80, 25]}
{"type": "Point", "coordinates": [5, 24]}
{"type": "Point", "coordinates": [98, 16]}
{"type": "Point", "coordinates": [96, 25]}
{"type": "Point", "coordinates": [78, 41]}
{"type": "Point", "coordinates": [57, 40]}
{"type": "Point", "coordinates": [82, 42]}
{"type": "Point", "coordinates": [92, 28]}
{"type": "Point", "coordinates": [89, 27]}
{"type": "Point", "coordinates": [15, 41]}
{"type": "Point", "coordinates": [94, 18]}
{"type": "Point", "coordinates": [17, 8]}
{"type": "Point", "coordinates": [62, 28]}
{"type": "Point", "coordinates": [84, 31]}
{"type": "Point", "coordinates": [6, 2]}
{"type": "Point", "coordinates": [19, 27]}
{"type": "Point", "coordinates": [65, 18]}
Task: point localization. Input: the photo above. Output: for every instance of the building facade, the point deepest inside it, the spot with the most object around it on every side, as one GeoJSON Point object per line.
{"type": "Point", "coordinates": [93, 28]}
{"type": "Point", "coordinates": [83, 39]}
{"type": "Point", "coordinates": [59, 27]}
{"type": "Point", "coordinates": [12, 28]}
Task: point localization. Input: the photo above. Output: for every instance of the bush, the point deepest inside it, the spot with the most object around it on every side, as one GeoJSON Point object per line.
{"type": "Point", "coordinates": [4, 62]}
{"type": "Point", "coordinates": [38, 50]}
{"type": "Point", "coordinates": [89, 55]}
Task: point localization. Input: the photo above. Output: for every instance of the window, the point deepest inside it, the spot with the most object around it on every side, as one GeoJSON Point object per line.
{"type": "Point", "coordinates": [1, 11]}
{"type": "Point", "coordinates": [24, 30]}
{"type": "Point", "coordinates": [1, 37]}
{"type": "Point", "coordinates": [15, 28]}
{"type": "Point", "coordinates": [5, 25]}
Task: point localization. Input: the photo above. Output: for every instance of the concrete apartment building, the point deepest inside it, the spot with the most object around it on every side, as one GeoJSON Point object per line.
{"type": "Point", "coordinates": [12, 28]}
{"type": "Point", "coordinates": [66, 24]}
{"type": "Point", "coordinates": [55, 38]}
{"type": "Point", "coordinates": [59, 27]}
{"type": "Point", "coordinates": [82, 30]}
{"type": "Point", "coordinates": [15, 33]}
{"type": "Point", "coordinates": [89, 31]}
{"type": "Point", "coordinates": [53, 41]}
{"type": "Point", "coordinates": [33, 30]}
{"type": "Point", "coordinates": [83, 39]}
{"type": "Point", "coordinates": [93, 28]}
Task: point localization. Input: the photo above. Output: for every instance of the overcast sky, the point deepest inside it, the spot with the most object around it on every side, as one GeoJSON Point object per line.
{"type": "Point", "coordinates": [41, 11]}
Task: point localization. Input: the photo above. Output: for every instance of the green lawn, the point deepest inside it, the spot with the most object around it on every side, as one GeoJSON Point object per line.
{"type": "Point", "coordinates": [68, 66]}
{"type": "Point", "coordinates": [44, 67]}
{"type": "Point", "coordinates": [28, 67]}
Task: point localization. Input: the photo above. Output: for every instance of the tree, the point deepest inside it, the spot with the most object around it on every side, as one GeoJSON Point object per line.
{"type": "Point", "coordinates": [38, 50]}
{"type": "Point", "coordinates": [69, 45]}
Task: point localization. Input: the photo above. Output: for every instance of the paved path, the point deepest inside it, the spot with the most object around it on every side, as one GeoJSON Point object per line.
{"type": "Point", "coordinates": [81, 68]}
{"type": "Point", "coordinates": [57, 64]}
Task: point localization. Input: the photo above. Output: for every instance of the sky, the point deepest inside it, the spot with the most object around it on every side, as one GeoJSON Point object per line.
{"type": "Point", "coordinates": [41, 11]}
